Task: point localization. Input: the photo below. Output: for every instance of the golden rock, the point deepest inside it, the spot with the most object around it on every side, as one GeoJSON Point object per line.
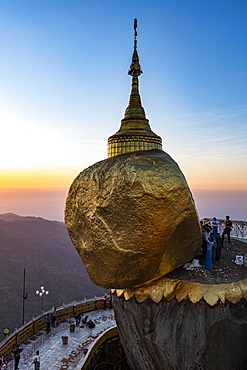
{"type": "Point", "coordinates": [132, 219]}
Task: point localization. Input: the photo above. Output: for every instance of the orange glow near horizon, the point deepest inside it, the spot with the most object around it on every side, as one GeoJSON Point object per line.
{"type": "Point", "coordinates": [61, 178]}
{"type": "Point", "coordinates": [42, 193]}
{"type": "Point", "coordinates": [37, 178]}
{"type": "Point", "coordinates": [207, 177]}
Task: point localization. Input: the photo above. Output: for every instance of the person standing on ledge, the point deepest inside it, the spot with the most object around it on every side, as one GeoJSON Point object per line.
{"type": "Point", "coordinates": [227, 230]}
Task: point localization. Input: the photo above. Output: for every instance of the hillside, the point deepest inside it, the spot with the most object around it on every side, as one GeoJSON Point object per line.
{"type": "Point", "coordinates": [44, 250]}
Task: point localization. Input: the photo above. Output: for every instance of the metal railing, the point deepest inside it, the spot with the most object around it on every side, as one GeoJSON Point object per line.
{"type": "Point", "coordinates": [239, 228]}
{"type": "Point", "coordinates": [42, 339]}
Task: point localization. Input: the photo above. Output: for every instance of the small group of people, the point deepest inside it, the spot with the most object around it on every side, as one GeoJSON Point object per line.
{"type": "Point", "coordinates": [211, 240]}
{"type": "Point", "coordinates": [79, 319]}
{"type": "Point", "coordinates": [84, 320]}
{"type": "Point", "coordinates": [17, 355]}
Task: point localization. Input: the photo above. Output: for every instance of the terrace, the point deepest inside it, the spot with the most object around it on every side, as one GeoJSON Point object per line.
{"type": "Point", "coordinates": [66, 346]}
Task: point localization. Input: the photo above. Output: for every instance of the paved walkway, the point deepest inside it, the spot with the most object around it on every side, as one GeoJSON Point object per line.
{"type": "Point", "coordinates": [53, 351]}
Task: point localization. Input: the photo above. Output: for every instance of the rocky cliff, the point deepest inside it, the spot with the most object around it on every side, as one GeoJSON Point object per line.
{"type": "Point", "coordinates": [182, 335]}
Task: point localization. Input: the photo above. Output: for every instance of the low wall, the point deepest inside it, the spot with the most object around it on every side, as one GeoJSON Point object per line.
{"type": "Point", "coordinates": [113, 332]}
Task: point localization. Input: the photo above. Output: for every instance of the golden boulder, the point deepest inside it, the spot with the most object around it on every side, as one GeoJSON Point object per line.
{"type": "Point", "coordinates": [132, 219]}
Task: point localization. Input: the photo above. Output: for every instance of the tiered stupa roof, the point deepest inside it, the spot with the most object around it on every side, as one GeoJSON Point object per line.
{"type": "Point", "coordinates": [135, 133]}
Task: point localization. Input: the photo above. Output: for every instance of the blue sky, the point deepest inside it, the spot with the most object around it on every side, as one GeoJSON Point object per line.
{"type": "Point", "coordinates": [64, 85]}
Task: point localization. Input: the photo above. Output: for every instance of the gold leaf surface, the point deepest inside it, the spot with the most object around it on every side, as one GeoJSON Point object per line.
{"type": "Point", "coordinates": [183, 289]}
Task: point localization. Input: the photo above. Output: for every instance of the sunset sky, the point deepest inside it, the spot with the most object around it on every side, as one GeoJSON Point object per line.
{"type": "Point", "coordinates": [64, 88]}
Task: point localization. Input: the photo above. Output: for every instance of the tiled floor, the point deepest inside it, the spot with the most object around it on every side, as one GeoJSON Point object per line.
{"type": "Point", "coordinates": [52, 350]}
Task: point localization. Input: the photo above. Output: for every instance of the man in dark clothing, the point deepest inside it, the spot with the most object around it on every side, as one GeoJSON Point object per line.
{"type": "Point", "coordinates": [54, 316]}
{"type": "Point", "coordinates": [218, 248]}
{"type": "Point", "coordinates": [48, 323]}
{"type": "Point", "coordinates": [227, 229]}
{"type": "Point", "coordinates": [78, 319]}
{"type": "Point", "coordinates": [17, 355]}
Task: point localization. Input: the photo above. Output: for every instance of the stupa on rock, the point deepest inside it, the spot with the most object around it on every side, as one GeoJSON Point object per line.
{"type": "Point", "coordinates": [132, 217]}
{"type": "Point", "coordinates": [133, 220]}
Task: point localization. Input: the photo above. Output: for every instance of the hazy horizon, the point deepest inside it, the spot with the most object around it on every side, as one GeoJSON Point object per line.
{"type": "Point", "coordinates": [49, 204]}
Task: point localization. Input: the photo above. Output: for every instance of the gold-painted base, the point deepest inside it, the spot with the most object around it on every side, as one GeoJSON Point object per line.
{"type": "Point", "coordinates": [182, 289]}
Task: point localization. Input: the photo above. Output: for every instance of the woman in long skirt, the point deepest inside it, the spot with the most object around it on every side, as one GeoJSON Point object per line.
{"type": "Point", "coordinates": [208, 261]}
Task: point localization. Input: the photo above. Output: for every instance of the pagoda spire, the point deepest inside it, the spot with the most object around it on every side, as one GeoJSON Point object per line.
{"type": "Point", "coordinates": [135, 106]}
{"type": "Point", "coordinates": [135, 133]}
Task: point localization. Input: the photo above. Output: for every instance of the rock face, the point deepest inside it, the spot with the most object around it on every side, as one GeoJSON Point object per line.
{"type": "Point", "coordinates": [132, 219]}
{"type": "Point", "coordinates": [173, 335]}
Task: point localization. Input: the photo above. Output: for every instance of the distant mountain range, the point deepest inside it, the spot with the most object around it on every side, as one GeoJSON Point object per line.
{"type": "Point", "coordinates": [43, 248]}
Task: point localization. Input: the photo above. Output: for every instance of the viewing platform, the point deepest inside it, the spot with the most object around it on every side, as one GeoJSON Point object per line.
{"type": "Point", "coordinates": [67, 345]}
{"type": "Point", "coordinates": [73, 355]}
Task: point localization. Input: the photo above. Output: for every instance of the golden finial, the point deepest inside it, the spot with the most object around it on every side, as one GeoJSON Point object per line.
{"type": "Point", "coordinates": [135, 133]}
{"type": "Point", "coordinates": [135, 27]}
{"type": "Point", "coordinates": [135, 68]}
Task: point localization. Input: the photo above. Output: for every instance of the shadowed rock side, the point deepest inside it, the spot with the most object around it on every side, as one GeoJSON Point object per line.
{"type": "Point", "coordinates": [132, 219]}
{"type": "Point", "coordinates": [180, 335]}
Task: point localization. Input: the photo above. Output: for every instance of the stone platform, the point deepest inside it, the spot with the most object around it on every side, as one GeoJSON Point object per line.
{"type": "Point", "coordinates": [188, 319]}
{"type": "Point", "coordinates": [224, 271]}
{"type": "Point", "coordinates": [53, 353]}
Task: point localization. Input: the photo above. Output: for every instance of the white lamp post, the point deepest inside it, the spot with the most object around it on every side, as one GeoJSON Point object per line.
{"type": "Point", "coordinates": [41, 293]}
